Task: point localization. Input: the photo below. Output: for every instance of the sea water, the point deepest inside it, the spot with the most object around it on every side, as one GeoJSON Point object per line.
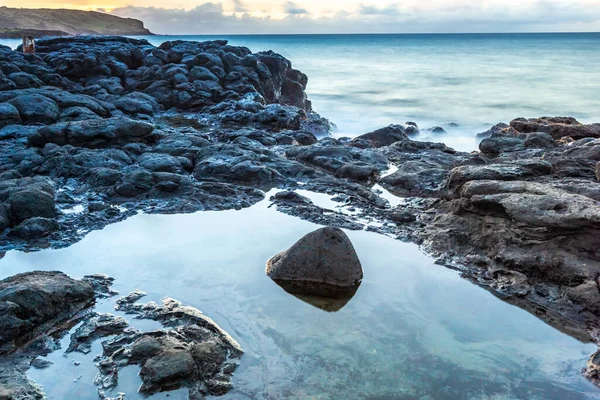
{"type": "Point", "coordinates": [464, 83]}
{"type": "Point", "coordinates": [364, 82]}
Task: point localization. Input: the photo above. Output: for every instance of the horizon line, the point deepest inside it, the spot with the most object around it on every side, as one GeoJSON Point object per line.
{"type": "Point", "coordinates": [376, 33]}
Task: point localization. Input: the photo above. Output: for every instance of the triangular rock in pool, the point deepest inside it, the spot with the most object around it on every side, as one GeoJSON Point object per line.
{"type": "Point", "coordinates": [323, 263]}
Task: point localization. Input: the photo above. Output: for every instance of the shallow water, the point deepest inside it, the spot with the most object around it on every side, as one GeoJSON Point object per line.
{"type": "Point", "coordinates": [413, 329]}
{"type": "Point", "coordinates": [364, 82]}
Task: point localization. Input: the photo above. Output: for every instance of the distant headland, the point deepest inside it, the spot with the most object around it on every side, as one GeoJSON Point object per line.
{"type": "Point", "coordinates": [18, 22]}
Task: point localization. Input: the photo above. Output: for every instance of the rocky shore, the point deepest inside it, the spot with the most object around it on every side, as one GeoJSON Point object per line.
{"type": "Point", "coordinates": [95, 129]}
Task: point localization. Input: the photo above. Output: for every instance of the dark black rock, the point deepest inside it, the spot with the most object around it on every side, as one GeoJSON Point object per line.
{"type": "Point", "coordinates": [384, 136]}
{"type": "Point", "coordinates": [30, 203]}
{"type": "Point", "coordinates": [36, 300]}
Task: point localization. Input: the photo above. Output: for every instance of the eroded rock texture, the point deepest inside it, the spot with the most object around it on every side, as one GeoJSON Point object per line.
{"type": "Point", "coordinates": [94, 129]}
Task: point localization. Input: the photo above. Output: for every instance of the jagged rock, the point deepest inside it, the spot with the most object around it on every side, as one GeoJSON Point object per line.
{"type": "Point", "coordinates": [501, 128]}
{"type": "Point", "coordinates": [34, 301]}
{"type": "Point", "coordinates": [557, 127]}
{"type": "Point", "coordinates": [95, 326]}
{"type": "Point", "coordinates": [322, 263]}
{"type": "Point", "coordinates": [194, 352]}
{"type": "Point", "coordinates": [382, 137]}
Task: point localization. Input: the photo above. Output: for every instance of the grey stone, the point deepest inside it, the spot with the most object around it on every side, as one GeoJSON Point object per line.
{"type": "Point", "coordinates": [322, 263]}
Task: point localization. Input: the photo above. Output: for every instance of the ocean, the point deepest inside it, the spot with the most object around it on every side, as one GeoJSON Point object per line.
{"type": "Point", "coordinates": [462, 82]}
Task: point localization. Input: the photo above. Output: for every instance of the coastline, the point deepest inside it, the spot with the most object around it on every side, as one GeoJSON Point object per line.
{"type": "Point", "coordinates": [188, 127]}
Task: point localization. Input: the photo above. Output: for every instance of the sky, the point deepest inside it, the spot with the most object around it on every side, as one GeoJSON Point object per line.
{"type": "Point", "coordinates": [344, 16]}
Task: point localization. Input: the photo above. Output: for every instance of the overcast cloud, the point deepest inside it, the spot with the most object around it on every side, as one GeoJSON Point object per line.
{"type": "Point", "coordinates": [410, 16]}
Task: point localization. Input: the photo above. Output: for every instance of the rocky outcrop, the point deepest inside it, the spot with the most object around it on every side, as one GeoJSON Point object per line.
{"type": "Point", "coordinates": [322, 263]}
{"type": "Point", "coordinates": [528, 219]}
{"type": "Point", "coordinates": [557, 127]}
{"type": "Point", "coordinates": [17, 22]}
{"type": "Point", "coordinates": [195, 353]}
{"type": "Point", "coordinates": [35, 301]}
{"type": "Point", "coordinates": [39, 308]}
{"type": "Point", "coordinates": [182, 127]}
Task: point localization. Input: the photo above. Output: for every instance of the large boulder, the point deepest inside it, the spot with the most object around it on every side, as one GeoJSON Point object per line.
{"type": "Point", "coordinates": [322, 263]}
{"type": "Point", "coordinates": [381, 137]}
{"type": "Point", "coordinates": [31, 203]}
{"type": "Point", "coordinates": [35, 108]}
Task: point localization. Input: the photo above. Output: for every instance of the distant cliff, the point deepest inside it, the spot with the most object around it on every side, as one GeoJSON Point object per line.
{"type": "Point", "coordinates": [17, 22]}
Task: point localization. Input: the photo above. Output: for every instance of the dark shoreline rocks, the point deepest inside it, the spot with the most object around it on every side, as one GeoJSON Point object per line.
{"type": "Point", "coordinates": [39, 308]}
{"type": "Point", "coordinates": [95, 129]}
{"type": "Point", "coordinates": [33, 302]}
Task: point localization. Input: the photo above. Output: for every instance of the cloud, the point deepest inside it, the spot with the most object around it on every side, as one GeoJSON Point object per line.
{"type": "Point", "coordinates": [292, 8]}
{"type": "Point", "coordinates": [409, 16]}
{"type": "Point", "coordinates": [372, 10]}
{"type": "Point", "coordinates": [239, 6]}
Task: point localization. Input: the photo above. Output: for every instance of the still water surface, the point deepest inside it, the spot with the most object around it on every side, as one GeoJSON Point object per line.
{"type": "Point", "coordinates": [414, 330]}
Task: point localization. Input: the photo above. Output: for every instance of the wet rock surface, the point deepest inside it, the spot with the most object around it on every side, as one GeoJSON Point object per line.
{"type": "Point", "coordinates": [36, 307]}
{"type": "Point", "coordinates": [95, 129]}
{"type": "Point", "coordinates": [114, 125]}
{"type": "Point", "coordinates": [34, 301]}
{"type": "Point", "coordinates": [192, 351]}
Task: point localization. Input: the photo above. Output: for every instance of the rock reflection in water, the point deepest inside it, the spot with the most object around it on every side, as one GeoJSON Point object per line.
{"type": "Point", "coordinates": [329, 304]}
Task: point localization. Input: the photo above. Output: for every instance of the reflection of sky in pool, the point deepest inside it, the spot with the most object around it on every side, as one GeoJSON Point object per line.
{"type": "Point", "coordinates": [413, 329]}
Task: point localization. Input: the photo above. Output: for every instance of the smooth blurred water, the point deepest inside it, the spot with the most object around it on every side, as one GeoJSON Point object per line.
{"type": "Point", "coordinates": [414, 330]}
{"type": "Point", "coordinates": [364, 82]}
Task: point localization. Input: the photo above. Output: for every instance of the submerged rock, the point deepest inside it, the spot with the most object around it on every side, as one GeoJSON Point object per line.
{"type": "Point", "coordinates": [39, 308]}
{"type": "Point", "coordinates": [322, 263]}
{"type": "Point", "coordinates": [195, 353]}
